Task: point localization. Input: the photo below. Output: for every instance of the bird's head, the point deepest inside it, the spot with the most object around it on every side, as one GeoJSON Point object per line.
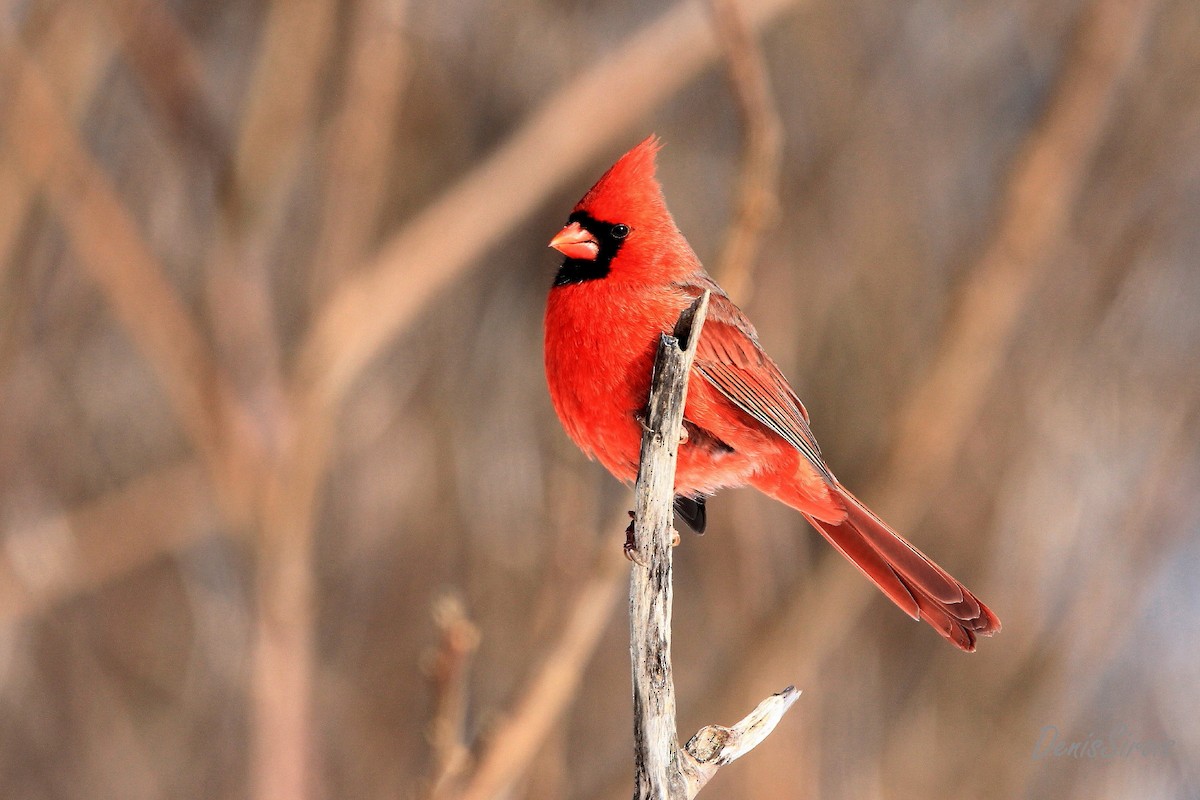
{"type": "Point", "coordinates": [622, 226]}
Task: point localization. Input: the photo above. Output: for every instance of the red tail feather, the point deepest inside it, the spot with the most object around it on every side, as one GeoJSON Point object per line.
{"type": "Point", "coordinates": [912, 581]}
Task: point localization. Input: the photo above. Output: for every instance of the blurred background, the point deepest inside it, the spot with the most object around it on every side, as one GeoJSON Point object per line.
{"type": "Point", "coordinates": [284, 508]}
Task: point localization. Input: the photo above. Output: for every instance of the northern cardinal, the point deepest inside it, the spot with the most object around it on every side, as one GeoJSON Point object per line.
{"type": "Point", "coordinates": [627, 275]}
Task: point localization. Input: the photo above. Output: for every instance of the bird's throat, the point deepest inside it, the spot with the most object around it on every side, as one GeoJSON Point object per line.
{"type": "Point", "coordinates": [575, 270]}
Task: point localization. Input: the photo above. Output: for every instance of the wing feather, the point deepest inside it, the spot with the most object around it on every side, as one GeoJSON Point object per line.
{"type": "Point", "coordinates": [729, 357]}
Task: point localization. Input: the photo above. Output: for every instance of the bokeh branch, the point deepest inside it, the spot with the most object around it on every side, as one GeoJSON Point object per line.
{"type": "Point", "coordinates": [117, 258]}
{"type": "Point", "coordinates": [357, 141]}
{"type": "Point", "coordinates": [756, 206]}
{"type": "Point", "coordinates": [171, 70]}
{"type": "Point", "coordinates": [53, 558]}
{"type": "Point", "coordinates": [276, 130]}
{"type": "Point", "coordinates": [449, 671]}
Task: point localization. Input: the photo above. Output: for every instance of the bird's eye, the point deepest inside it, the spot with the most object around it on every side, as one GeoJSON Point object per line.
{"type": "Point", "coordinates": [620, 231]}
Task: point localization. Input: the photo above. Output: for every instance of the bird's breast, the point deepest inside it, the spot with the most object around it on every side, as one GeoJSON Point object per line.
{"type": "Point", "coordinates": [600, 343]}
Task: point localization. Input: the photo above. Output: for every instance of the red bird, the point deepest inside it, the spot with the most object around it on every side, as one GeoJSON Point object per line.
{"type": "Point", "coordinates": [627, 275]}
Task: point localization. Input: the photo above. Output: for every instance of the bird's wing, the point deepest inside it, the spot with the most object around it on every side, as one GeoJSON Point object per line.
{"type": "Point", "coordinates": [730, 358]}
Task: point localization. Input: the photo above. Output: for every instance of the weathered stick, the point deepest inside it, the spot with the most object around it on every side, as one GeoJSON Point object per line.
{"type": "Point", "coordinates": [663, 769]}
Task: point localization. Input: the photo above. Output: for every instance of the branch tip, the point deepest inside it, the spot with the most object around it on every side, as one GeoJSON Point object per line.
{"type": "Point", "coordinates": [691, 319]}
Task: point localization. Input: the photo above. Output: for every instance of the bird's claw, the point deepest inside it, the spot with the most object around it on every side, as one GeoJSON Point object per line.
{"type": "Point", "coordinates": [631, 551]}
{"type": "Point", "coordinates": [630, 548]}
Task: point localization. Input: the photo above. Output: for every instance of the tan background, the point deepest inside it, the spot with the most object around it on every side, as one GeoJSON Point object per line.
{"type": "Point", "coordinates": [271, 286]}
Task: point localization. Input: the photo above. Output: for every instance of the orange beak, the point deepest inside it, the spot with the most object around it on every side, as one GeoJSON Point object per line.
{"type": "Point", "coordinates": [574, 241]}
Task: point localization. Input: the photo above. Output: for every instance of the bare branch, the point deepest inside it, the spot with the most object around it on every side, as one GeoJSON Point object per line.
{"type": "Point", "coordinates": [658, 765]}
{"type": "Point", "coordinates": [662, 768]}
{"type": "Point", "coordinates": [714, 746]}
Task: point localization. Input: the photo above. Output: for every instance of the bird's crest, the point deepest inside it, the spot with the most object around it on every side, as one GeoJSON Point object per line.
{"type": "Point", "coordinates": [629, 191]}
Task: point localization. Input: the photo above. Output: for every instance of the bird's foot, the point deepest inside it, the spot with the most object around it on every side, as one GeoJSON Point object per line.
{"type": "Point", "coordinates": [631, 551]}
{"type": "Point", "coordinates": [630, 548]}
